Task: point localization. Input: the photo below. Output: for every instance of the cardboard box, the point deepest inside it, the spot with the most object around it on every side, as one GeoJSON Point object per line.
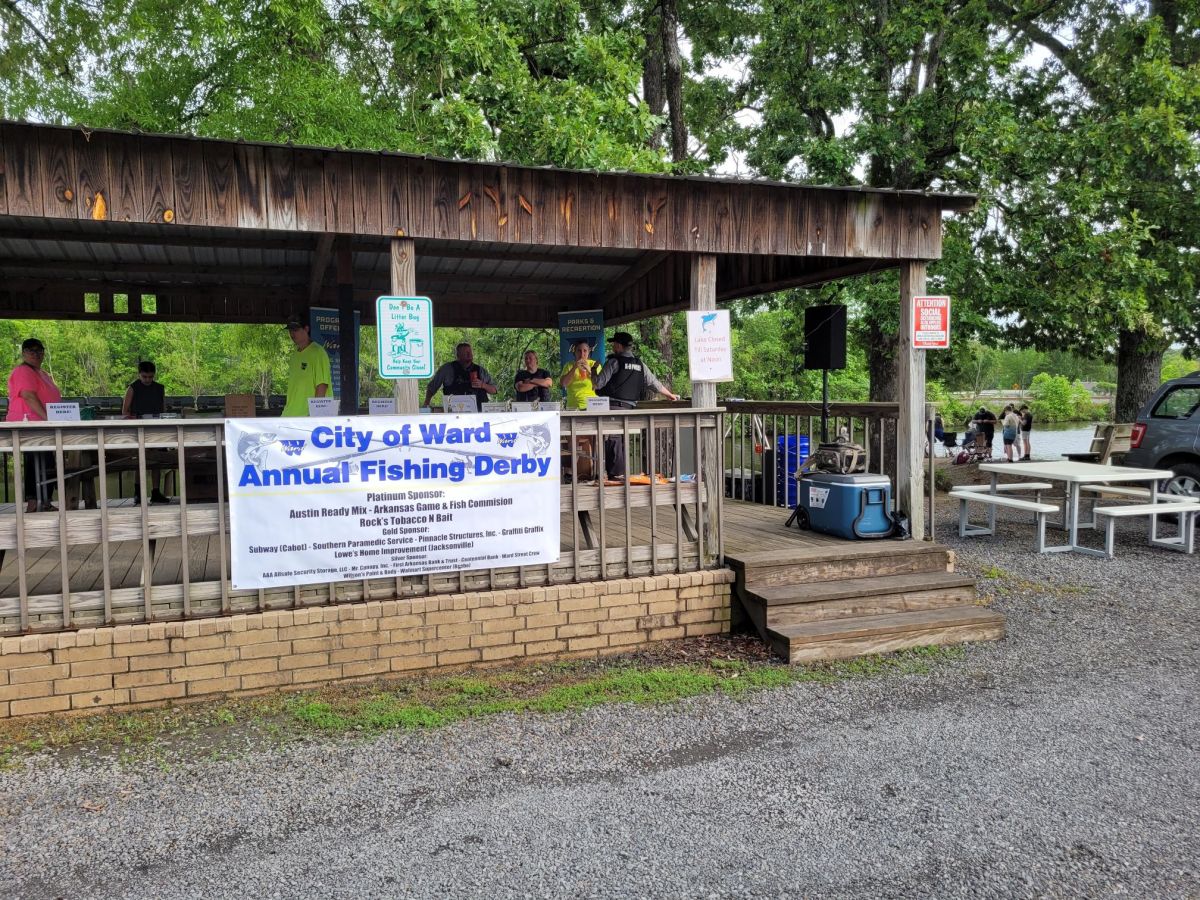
{"type": "Point", "coordinates": [239, 406]}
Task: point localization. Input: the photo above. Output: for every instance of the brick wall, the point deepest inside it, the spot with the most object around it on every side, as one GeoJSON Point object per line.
{"type": "Point", "coordinates": [151, 665]}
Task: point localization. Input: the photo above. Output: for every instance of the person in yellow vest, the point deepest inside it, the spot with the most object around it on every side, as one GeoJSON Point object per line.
{"type": "Point", "coordinates": [578, 377]}
{"type": "Point", "coordinates": [308, 369]}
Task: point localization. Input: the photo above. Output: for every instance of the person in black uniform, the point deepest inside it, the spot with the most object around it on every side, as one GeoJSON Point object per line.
{"type": "Point", "coordinates": [625, 380]}
{"type": "Point", "coordinates": [146, 397]}
{"type": "Point", "coordinates": [462, 376]}
{"type": "Point", "coordinates": [532, 383]}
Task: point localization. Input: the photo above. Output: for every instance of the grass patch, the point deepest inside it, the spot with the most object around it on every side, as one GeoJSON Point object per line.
{"type": "Point", "coordinates": [222, 729]}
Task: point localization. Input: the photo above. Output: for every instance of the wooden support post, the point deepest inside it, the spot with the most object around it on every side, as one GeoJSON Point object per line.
{"type": "Point", "coordinates": [347, 340]}
{"type": "Point", "coordinates": [404, 284]}
{"type": "Point", "coordinates": [702, 294]}
{"type": "Point", "coordinates": [910, 438]}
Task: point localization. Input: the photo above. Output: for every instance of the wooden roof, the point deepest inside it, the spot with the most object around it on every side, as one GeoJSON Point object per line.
{"type": "Point", "coordinates": [243, 232]}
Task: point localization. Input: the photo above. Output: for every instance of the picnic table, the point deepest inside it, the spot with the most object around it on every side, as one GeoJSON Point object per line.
{"type": "Point", "coordinates": [1077, 476]}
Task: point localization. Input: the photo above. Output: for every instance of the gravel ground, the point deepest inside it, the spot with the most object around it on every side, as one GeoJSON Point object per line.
{"type": "Point", "coordinates": [1061, 762]}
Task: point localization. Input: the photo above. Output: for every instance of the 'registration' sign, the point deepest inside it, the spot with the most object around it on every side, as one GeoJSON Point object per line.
{"type": "Point", "coordinates": [931, 323]}
{"type": "Point", "coordinates": [710, 345]}
{"type": "Point", "coordinates": [333, 499]}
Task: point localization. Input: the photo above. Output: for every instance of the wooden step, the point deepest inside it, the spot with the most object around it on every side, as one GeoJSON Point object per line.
{"type": "Point", "coordinates": [789, 604]}
{"type": "Point", "coordinates": [853, 560]}
{"type": "Point", "coordinates": [861, 636]}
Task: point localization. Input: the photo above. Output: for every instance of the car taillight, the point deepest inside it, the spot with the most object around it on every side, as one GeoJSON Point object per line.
{"type": "Point", "coordinates": [1139, 432]}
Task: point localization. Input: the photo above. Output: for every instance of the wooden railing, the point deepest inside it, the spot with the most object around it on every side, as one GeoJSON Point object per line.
{"type": "Point", "coordinates": [760, 436]}
{"type": "Point", "coordinates": [129, 560]}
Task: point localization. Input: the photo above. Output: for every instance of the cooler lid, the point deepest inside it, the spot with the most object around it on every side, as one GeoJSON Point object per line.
{"type": "Point", "coordinates": [860, 479]}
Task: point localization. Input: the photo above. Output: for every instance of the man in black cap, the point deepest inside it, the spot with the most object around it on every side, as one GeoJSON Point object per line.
{"type": "Point", "coordinates": [625, 379]}
{"type": "Point", "coordinates": [308, 369]}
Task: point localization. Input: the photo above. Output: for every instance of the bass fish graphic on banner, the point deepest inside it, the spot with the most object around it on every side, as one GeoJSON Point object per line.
{"type": "Point", "coordinates": [330, 499]}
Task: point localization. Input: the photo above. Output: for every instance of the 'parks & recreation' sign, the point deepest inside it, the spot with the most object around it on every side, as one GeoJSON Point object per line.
{"type": "Point", "coordinates": [331, 499]}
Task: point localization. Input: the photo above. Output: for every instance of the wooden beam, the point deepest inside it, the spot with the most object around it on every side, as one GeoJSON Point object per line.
{"type": "Point", "coordinates": [910, 429]}
{"type": "Point", "coordinates": [807, 279]}
{"type": "Point", "coordinates": [643, 266]}
{"type": "Point", "coordinates": [123, 268]}
{"type": "Point", "coordinates": [404, 284]}
{"type": "Point", "coordinates": [320, 262]}
{"type": "Point", "coordinates": [514, 253]}
{"type": "Point", "coordinates": [246, 240]}
{"type": "Point", "coordinates": [347, 348]}
{"type": "Point", "coordinates": [702, 295]}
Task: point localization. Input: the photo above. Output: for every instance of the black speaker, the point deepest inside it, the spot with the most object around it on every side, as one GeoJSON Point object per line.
{"type": "Point", "coordinates": [825, 337]}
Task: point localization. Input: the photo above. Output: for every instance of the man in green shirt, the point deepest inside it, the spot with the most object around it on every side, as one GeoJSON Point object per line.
{"type": "Point", "coordinates": [308, 369]}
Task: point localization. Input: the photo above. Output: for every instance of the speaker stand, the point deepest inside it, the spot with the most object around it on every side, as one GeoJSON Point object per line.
{"type": "Point", "coordinates": [824, 406]}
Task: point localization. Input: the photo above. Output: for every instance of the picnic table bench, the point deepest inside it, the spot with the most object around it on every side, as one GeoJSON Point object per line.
{"type": "Point", "coordinates": [992, 500]}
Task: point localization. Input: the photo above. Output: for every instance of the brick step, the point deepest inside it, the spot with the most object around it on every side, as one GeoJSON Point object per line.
{"type": "Point", "coordinates": [861, 636]}
{"type": "Point", "coordinates": [790, 604]}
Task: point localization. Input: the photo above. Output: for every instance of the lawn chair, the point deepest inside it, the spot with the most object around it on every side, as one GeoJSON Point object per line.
{"type": "Point", "coordinates": [980, 451]}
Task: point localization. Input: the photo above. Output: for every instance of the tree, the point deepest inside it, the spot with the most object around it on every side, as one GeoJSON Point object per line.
{"type": "Point", "coordinates": [1095, 181]}
{"type": "Point", "coordinates": [255, 355]}
{"type": "Point", "coordinates": [192, 360]}
{"type": "Point", "coordinates": [881, 94]}
{"type": "Point", "coordinates": [484, 79]}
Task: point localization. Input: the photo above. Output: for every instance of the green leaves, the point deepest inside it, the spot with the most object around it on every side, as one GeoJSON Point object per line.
{"type": "Point", "coordinates": [539, 83]}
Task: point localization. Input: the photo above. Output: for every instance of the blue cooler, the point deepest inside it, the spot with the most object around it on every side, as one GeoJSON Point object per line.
{"type": "Point", "coordinates": [849, 506]}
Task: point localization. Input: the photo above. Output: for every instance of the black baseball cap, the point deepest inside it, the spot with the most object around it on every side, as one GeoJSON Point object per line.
{"type": "Point", "coordinates": [32, 344]}
{"type": "Point", "coordinates": [623, 337]}
{"type": "Point", "coordinates": [295, 322]}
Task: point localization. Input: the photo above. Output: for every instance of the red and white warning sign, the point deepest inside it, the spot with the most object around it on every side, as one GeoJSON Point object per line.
{"type": "Point", "coordinates": [931, 323]}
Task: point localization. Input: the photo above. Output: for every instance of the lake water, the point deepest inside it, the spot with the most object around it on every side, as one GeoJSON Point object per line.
{"type": "Point", "coordinates": [1052, 440]}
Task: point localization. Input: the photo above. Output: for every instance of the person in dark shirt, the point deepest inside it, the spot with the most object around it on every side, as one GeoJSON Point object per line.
{"type": "Point", "coordinates": [985, 419]}
{"type": "Point", "coordinates": [1026, 428]}
{"type": "Point", "coordinates": [146, 397]}
{"type": "Point", "coordinates": [532, 383]}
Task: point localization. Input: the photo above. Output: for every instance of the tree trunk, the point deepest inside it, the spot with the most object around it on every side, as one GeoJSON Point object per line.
{"type": "Point", "coordinates": [885, 388]}
{"type": "Point", "coordinates": [652, 75]}
{"type": "Point", "coordinates": [1139, 369]}
{"type": "Point", "coordinates": [666, 349]}
{"type": "Point", "coordinates": [881, 364]}
{"type": "Point", "coordinates": [656, 332]}
{"type": "Point", "coordinates": [673, 80]}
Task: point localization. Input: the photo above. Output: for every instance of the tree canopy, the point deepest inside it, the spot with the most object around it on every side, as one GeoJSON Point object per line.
{"type": "Point", "coordinates": [1076, 121]}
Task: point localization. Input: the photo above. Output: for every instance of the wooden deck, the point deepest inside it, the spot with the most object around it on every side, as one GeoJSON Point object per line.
{"type": "Point", "coordinates": [751, 528]}
{"type": "Point", "coordinates": [747, 527]}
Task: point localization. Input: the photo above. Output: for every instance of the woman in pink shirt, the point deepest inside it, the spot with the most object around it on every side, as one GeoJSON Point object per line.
{"type": "Point", "coordinates": [29, 390]}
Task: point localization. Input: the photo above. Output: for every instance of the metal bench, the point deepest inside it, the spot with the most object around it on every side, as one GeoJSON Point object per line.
{"type": "Point", "coordinates": [1128, 493]}
{"type": "Point", "coordinates": [1184, 541]}
{"type": "Point", "coordinates": [1035, 486]}
{"type": "Point", "coordinates": [967, 529]}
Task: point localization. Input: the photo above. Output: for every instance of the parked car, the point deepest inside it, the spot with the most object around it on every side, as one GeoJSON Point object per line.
{"type": "Point", "coordinates": [1167, 434]}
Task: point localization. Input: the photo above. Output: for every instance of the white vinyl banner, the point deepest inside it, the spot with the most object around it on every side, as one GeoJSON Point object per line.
{"type": "Point", "coordinates": [331, 499]}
